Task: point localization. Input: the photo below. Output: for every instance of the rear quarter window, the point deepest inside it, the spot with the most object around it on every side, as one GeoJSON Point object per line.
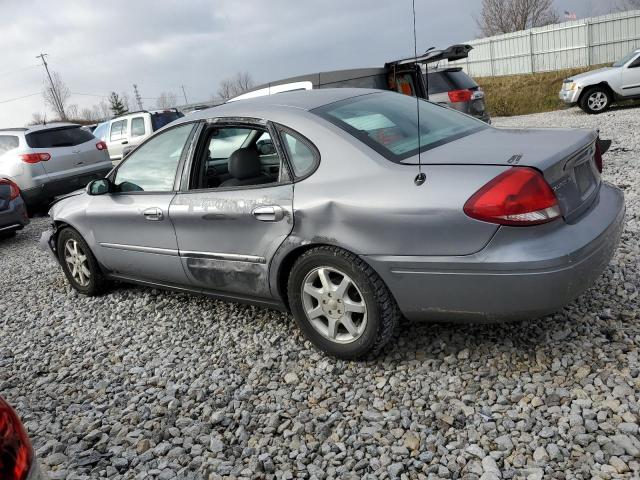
{"type": "Point", "coordinates": [61, 137]}
{"type": "Point", "coordinates": [8, 142]}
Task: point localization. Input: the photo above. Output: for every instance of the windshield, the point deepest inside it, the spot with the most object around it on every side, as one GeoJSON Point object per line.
{"type": "Point", "coordinates": [387, 122]}
{"type": "Point", "coordinates": [625, 59]}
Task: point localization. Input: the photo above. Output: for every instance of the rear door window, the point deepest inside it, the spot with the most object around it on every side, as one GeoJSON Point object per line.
{"type": "Point", "coordinates": [137, 127]}
{"type": "Point", "coordinates": [59, 137]}
{"type": "Point", "coordinates": [8, 142]}
{"type": "Point", "coordinates": [118, 130]}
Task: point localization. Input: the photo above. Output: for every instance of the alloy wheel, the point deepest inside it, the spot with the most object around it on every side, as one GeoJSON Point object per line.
{"type": "Point", "coordinates": [334, 305]}
{"type": "Point", "coordinates": [77, 262]}
{"type": "Point", "coordinates": [597, 101]}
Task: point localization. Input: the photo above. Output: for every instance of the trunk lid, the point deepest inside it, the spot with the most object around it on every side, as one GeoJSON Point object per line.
{"type": "Point", "coordinates": [566, 158]}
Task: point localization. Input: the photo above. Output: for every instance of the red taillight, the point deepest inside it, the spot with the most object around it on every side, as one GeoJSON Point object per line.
{"type": "Point", "coordinates": [14, 190]}
{"type": "Point", "coordinates": [460, 96]}
{"type": "Point", "coordinates": [519, 196]}
{"type": "Point", "coordinates": [598, 157]}
{"type": "Point", "coordinates": [35, 157]}
{"type": "Point", "coordinates": [101, 145]}
{"type": "Point", "coordinates": [16, 453]}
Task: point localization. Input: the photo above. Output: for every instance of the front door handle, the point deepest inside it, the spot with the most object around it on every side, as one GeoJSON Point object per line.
{"type": "Point", "coordinates": [124, 142]}
{"type": "Point", "coordinates": [271, 213]}
{"type": "Point", "coordinates": [154, 214]}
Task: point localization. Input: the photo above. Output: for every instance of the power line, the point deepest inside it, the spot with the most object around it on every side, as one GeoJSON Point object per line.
{"type": "Point", "coordinates": [11, 72]}
{"type": "Point", "coordinates": [19, 98]}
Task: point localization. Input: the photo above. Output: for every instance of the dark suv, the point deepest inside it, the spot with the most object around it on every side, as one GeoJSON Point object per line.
{"type": "Point", "coordinates": [447, 86]}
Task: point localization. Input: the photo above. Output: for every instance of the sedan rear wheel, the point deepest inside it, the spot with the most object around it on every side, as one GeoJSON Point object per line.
{"type": "Point", "coordinates": [78, 263]}
{"type": "Point", "coordinates": [340, 303]}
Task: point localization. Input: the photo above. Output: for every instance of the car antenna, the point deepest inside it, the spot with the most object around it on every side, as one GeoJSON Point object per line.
{"type": "Point", "coordinates": [421, 177]}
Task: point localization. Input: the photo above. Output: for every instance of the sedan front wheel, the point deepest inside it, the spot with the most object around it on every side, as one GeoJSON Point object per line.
{"type": "Point", "coordinates": [78, 263]}
{"type": "Point", "coordinates": [341, 305]}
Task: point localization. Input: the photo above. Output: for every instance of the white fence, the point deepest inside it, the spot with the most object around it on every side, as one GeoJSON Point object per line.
{"type": "Point", "coordinates": [579, 43]}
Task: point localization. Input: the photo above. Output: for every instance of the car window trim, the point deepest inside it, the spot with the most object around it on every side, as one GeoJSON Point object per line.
{"type": "Point", "coordinates": [280, 128]}
{"type": "Point", "coordinates": [237, 122]}
{"type": "Point", "coordinates": [185, 152]}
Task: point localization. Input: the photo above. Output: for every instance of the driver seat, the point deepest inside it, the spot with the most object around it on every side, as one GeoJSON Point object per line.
{"type": "Point", "coordinates": [245, 169]}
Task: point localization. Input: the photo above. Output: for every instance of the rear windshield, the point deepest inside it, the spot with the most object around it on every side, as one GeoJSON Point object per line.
{"type": "Point", "coordinates": [440, 82]}
{"type": "Point", "coordinates": [387, 122]}
{"type": "Point", "coordinates": [59, 137]}
{"type": "Point", "coordinates": [160, 119]}
{"type": "Point", "coordinates": [8, 142]}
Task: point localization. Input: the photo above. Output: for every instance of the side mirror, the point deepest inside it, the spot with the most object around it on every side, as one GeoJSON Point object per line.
{"type": "Point", "coordinates": [99, 187]}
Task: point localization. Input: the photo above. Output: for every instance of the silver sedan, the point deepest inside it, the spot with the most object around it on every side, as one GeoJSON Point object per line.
{"type": "Point", "coordinates": [340, 206]}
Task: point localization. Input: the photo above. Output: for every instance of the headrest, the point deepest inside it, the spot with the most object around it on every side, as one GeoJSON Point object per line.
{"type": "Point", "coordinates": [244, 163]}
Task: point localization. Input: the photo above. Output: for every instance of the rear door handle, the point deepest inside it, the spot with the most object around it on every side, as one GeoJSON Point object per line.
{"type": "Point", "coordinates": [271, 213]}
{"type": "Point", "coordinates": [124, 142]}
{"type": "Point", "coordinates": [153, 214]}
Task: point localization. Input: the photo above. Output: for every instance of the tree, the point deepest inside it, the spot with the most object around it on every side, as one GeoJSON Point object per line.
{"type": "Point", "coordinates": [166, 100]}
{"type": "Point", "coordinates": [505, 16]}
{"type": "Point", "coordinates": [236, 85]}
{"type": "Point", "coordinates": [37, 118]}
{"type": "Point", "coordinates": [56, 95]}
{"type": "Point", "coordinates": [116, 105]}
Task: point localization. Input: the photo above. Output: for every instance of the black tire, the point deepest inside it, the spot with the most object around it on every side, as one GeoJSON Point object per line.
{"type": "Point", "coordinates": [587, 101]}
{"type": "Point", "coordinates": [382, 313]}
{"type": "Point", "coordinates": [96, 282]}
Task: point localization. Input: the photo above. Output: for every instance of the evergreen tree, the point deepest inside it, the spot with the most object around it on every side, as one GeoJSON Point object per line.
{"type": "Point", "coordinates": [117, 105]}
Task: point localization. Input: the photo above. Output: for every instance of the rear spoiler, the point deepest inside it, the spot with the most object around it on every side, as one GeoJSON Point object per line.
{"type": "Point", "coordinates": [452, 53]}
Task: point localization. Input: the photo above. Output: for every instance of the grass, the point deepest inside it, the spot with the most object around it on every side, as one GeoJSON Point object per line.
{"type": "Point", "coordinates": [523, 94]}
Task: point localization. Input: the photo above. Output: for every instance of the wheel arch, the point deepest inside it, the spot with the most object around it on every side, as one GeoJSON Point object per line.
{"type": "Point", "coordinates": [286, 257]}
{"type": "Point", "coordinates": [604, 84]}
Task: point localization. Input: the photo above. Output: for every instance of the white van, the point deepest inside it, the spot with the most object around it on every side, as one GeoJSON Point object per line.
{"type": "Point", "coordinates": [132, 128]}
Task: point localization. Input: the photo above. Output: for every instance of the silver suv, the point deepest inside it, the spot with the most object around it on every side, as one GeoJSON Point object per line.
{"type": "Point", "coordinates": [595, 91]}
{"type": "Point", "coordinates": [126, 131]}
{"type": "Point", "coordinates": [50, 160]}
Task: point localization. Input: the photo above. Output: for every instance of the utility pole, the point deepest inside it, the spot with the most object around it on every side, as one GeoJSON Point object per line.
{"type": "Point", "coordinates": [138, 98]}
{"type": "Point", "coordinates": [54, 91]}
{"type": "Point", "coordinates": [185, 95]}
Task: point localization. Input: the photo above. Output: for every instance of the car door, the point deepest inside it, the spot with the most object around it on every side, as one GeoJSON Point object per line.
{"type": "Point", "coordinates": [131, 225]}
{"type": "Point", "coordinates": [631, 78]}
{"type": "Point", "coordinates": [228, 228]}
{"type": "Point", "coordinates": [118, 138]}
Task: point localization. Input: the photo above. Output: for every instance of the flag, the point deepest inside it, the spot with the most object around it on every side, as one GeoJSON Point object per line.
{"type": "Point", "coordinates": [570, 15]}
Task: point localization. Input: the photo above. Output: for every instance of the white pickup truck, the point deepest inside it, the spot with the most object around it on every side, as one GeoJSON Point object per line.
{"type": "Point", "coordinates": [595, 91]}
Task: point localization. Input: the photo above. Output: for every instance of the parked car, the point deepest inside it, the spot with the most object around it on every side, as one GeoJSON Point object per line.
{"type": "Point", "coordinates": [50, 160]}
{"type": "Point", "coordinates": [595, 91]}
{"type": "Point", "coordinates": [448, 86]}
{"type": "Point", "coordinates": [17, 459]}
{"type": "Point", "coordinates": [455, 89]}
{"type": "Point", "coordinates": [509, 224]}
{"type": "Point", "coordinates": [131, 129]}
{"type": "Point", "coordinates": [13, 212]}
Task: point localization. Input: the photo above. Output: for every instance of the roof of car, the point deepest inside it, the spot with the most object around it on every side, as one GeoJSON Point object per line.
{"type": "Point", "coordinates": [301, 99]}
{"type": "Point", "coordinates": [37, 128]}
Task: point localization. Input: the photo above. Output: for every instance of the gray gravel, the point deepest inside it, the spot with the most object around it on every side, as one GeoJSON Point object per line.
{"type": "Point", "coordinates": [141, 383]}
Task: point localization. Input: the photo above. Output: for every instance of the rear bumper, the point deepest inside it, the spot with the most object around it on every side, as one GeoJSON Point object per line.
{"type": "Point", "coordinates": [522, 272]}
{"type": "Point", "coordinates": [15, 217]}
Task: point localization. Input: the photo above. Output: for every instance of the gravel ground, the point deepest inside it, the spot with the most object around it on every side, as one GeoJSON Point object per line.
{"type": "Point", "coordinates": [141, 383]}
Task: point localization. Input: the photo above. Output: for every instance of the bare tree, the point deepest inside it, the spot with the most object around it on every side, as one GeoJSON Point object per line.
{"type": "Point", "coordinates": [628, 5]}
{"type": "Point", "coordinates": [236, 85]}
{"type": "Point", "coordinates": [72, 111]}
{"type": "Point", "coordinates": [166, 100]}
{"type": "Point", "coordinates": [37, 118]}
{"type": "Point", "coordinates": [505, 16]}
{"type": "Point", "coordinates": [57, 95]}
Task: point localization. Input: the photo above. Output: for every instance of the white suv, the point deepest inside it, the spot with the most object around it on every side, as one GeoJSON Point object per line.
{"type": "Point", "coordinates": [595, 91]}
{"type": "Point", "coordinates": [131, 129]}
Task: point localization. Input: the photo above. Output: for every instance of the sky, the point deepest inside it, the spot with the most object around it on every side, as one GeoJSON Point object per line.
{"type": "Point", "coordinates": [99, 47]}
